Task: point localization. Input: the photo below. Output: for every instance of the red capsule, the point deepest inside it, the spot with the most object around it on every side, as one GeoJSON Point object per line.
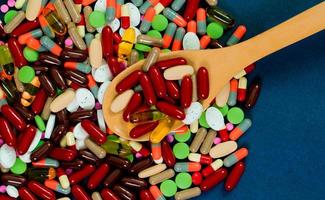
{"type": "Point", "coordinates": [190, 9]}
{"type": "Point", "coordinates": [78, 176]}
{"type": "Point", "coordinates": [109, 194]}
{"type": "Point", "coordinates": [63, 154]}
{"type": "Point", "coordinates": [128, 82]}
{"type": "Point", "coordinates": [167, 154]}
{"type": "Point", "coordinates": [7, 133]}
{"type": "Point", "coordinates": [146, 195]}
{"type": "Point", "coordinates": [172, 89]}
{"type": "Point", "coordinates": [79, 193]}
{"type": "Point", "coordinates": [114, 65]}
{"type": "Point", "coordinates": [197, 178]}
{"type": "Point", "coordinates": [223, 135]}
{"type": "Point", "coordinates": [25, 27]}
{"type": "Point", "coordinates": [117, 38]}
{"type": "Point", "coordinates": [158, 81]}
{"type": "Point", "coordinates": [186, 92]}
{"type": "Point", "coordinates": [5, 197]}
{"type": "Point", "coordinates": [213, 179]}
{"type": "Point", "coordinates": [41, 191]}
{"type": "Point", "coordinates": [202, 78]}
{"type": "Point", "coordinates": [164, 64]}
{"type": "Point", "coordinates": [170, 110]}
{"type": "Point", "coordinates": [148, 90]}
{"type": "Point", "coordinates": [142, 129]}
{"type": "Point", "coordinates": [134, 103]}
{"type": "Point", "coordinates": [39, 101]}
{"type": "Point", "coordinates": [25, 139]}
{"type": "Point", "coordinates": [16, 51]}
{"type": "Point", "coordinates": [234, 176]}
{"type": "Point", "coordinates": [107, 41]}
{"type": "Point", "coordinates": [96, 178]}
{"type": "Point", "coordinates": [14, 117]}
{"type": "Point", "coordinates": [26, 194]}
{"type": "Point", "coordinates": [94, 131]}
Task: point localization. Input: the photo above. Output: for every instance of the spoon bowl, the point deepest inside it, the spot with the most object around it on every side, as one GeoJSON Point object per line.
{"type": "Point", "coordinates": [224, 63]}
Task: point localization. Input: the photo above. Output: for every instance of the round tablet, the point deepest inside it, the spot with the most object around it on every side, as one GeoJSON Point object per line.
{"type": "Point", "coordinates": [30, 54]}
{"type": "Point", "coordinates": [168, 188]}
{"type": "Point", "coordinates": [191, 41]}
{"type": "Point", "coordinates": [7, 156]}
{"type": "Point", "coordinates": [214, 119]}
{"type": "Point", "coordinates": [223, 110]}
{"type": "Point", "coordinates": [203, 121]}
{"type": "Point", "coordinates": [183, 180]}
{"type": "Point", "coordinates": [102, 73]}
{"type": "Point", "coordinates": [155, 34]}
{"type": "Point", "coordinates": [181, 150]}
{"type": "Point", "coordinates": [26, 74]}
{"type": "Point", "coordinates": [183, 137]}
{"type": "Point", "coordinates": [193, 113]}
{"type": "Point", "coordinates": [235, 115]}
{"type": "Point", "coordinates": [85, 98]}
{"type": "Point", "coordinates": [159, 22]}
{"type": "Point", "coordinates": [9, 15]}
{"type": "Point", "coordinates": [214, 30]}
{"type": "Point", "coordinates": [97, 19]}
{"type": "Point", "coordinates": [19, 167]}
{"type": "Point", "coordinates": [101, 91]}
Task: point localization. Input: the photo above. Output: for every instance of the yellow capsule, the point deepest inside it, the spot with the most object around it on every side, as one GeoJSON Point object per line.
{"type": "Point", "coordinates": [161, 130]}
{"type": "Point", "coordinates": [124, 49]}
{"type": "Point", "coordinates": [129, 35]}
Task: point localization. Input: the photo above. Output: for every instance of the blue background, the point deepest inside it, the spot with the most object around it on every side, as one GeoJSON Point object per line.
{"type": "Point", "coordinates": [287, 139]}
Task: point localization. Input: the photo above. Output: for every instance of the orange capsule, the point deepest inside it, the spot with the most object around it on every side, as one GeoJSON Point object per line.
{"type": "Point", "coordinates": [191, 26]}
{"type": "Point", "coordinates": [205, 41]}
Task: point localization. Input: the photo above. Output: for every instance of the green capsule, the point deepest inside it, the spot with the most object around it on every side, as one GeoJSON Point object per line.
{"type": "Point", "coordinates": [180, 32]}
{"type": "Point", "coordinates": [6, 61]}
{"type": "Point", "coordinates": [221, 16]}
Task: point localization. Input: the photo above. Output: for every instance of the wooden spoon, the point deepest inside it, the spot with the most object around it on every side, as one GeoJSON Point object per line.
{"type": "Point", "coordinates": [224, 63]}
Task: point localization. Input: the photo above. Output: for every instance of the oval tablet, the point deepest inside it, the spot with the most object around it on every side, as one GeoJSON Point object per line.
{"type": "Point", "coordinates": [33, 8]}
{"type": "Point", "coordinates": [102, 73]}
{"type": "Point", "coordinates": [152, 170]}
{"type": "Point", "coordinates": [191, 41]}
{"type": "Point", "coordinates": [73, 105]}
{"type": "Point", "coordinates": [62, 101]}
{"type": "Point", "coordinates": [95, 53]}
{"type": "Point", "coordinates": [115, 25]}
{"type": "Point", "coordinates": [7, 156]}
{"type": "Point", "coordinates": [222, 97]}
{"type": "Point", "coordinates": [121, 101]}
{"type": "Point", "coordinates": [193, 113]}
{"type": "Point", "coordinates": [12, 191]}
{"type": "Point", "coordinates": [134, 14]}
{"type": "Point", "coordinates": [178, 72]}
{"type": "Point", "coordinates": [85, 99]}
{"type": "Point", "coordinates": [101, 91]}
{"type": "Point", "coordinates": [223, 149]}
{"type": "Point", "coordinates": [215, 119]}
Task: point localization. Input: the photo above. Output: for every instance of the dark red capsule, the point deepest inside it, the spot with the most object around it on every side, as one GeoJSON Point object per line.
{"type": "Point", "coordinates": [41, 152]}
{"type": "Point", "coordinates": [253, 93]}
{"type": "Point", "coordinates": [63, 154]}
{"type": "Point", "coordinates": [109, 194]}
{"type": "Point", "coordinates": [47, 85]}
{"type": "Point", "coordinates": [169, 100]}
{"type": "Point", "coordinates": [94, 131]}
{"type": "Point", "coordinates": [146, 195]}
{"type": "Point", "coordinates": [134, 103]}
{"type": "Point", "coordinates": [202, 78]}
{"type": "Point", "coordinates": [96, 178]}
{"type": "Point", "coordinates": [167, 154]}
{"type": "Point", "coordinates": [41, 191]}
{"type": "Point", "coordinates": [164, 64]}
{"type": "Point", "coordinates": [114, 65]}
{"type": "Point", "coordinates": [74, 55]}
{"type": "Point", "coordinates": [39, 101]}
{"type": "Point", "coordinates": [190, 9]}
{"type": "Point", "coordinates": [186, 92]}
{"type": "Point", "coordinates": [107, 41]}
{"type": "Point", "coordinates": [49, 59]}
{"type": "Point", "coordinates": [128, 82]}
{"type": "Point", "coordinates": [16, 51]}
{"type": "Point", "coordinates": [25, 27]}
{"type": "Point", "coordinates": [13, 117]}
{"type": "Point", "coordinates": [141, 165]}
{"type": "Point", "coordinates": [143, 129]}
{"type": "Point", "coordinates": [58, 78]}
{"type": "Point", "coordinates": [170, 110]}
{"type": "Point", "coordinates": [158, 81]}
{"type": "Point", "coordinates": [78, 176]}
{"type": "Point", "coordinates": [79, 193]}
{"type": "Point", "coordinates": [25, 139]}
{"type": "Point", "coordinates": [124, 192]}
{"type": "Point", "coordinates": [214, 179]}
{"type": "Point", "coordinates": [7, 133]}
{"type": "Point", "coordinates": [14, 180]}
{"type": "Point", "coordinates": [26, 113]}
{"type": "Point", "coordinates": [172, 89]}
{"type": "Point", "coordinates": [234, 176]}
{"type": "Point", "coordinates": [5, 197]}
{"type": "Point", "coordinates": [26, 194]}
{"type": "Point", "coordinates": [148, 90]}
{"type": "Point", "coordinates": [113, 177]}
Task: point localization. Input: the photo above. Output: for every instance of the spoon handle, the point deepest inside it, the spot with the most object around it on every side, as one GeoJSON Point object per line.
{"type": "Point", "coordinates": [291, 31]}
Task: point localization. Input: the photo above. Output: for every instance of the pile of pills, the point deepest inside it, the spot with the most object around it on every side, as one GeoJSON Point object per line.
{"type": "Point", "coordinates": [57, 58]}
